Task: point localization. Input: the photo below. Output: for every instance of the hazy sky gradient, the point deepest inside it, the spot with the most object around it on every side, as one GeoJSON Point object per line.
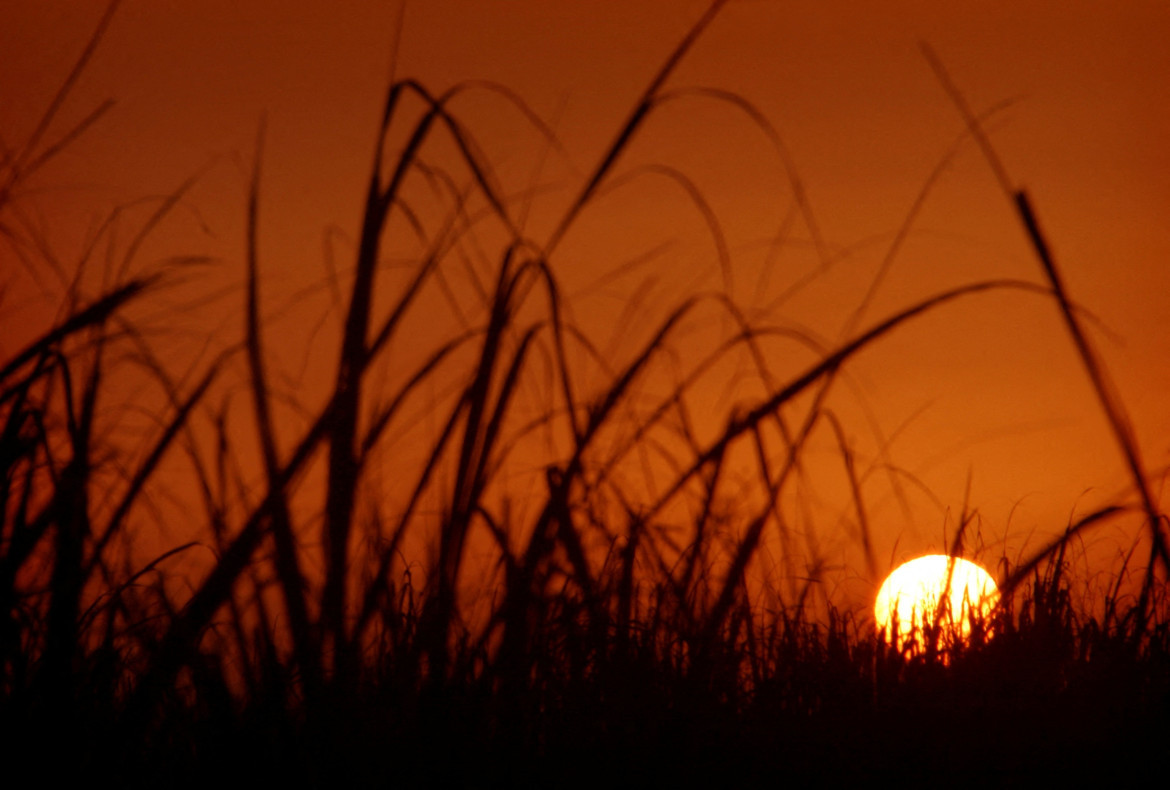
{"type": "Point", "coordinates": [992, 386]}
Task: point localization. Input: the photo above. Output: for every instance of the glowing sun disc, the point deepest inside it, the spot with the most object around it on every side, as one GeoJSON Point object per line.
{"type": "Point", "coordinates": [911, 594]}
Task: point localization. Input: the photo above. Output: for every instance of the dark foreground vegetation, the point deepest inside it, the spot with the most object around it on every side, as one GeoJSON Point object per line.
{"type": "Point", "coordinates": [607, 647]}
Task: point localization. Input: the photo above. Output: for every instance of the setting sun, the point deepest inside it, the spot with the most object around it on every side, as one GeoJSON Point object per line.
{"type": "Point", "coordinates": [910, 597]}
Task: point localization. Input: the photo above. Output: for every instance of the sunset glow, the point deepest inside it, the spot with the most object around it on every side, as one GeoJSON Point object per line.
{"type": "Point", "coordinates": [465, 393]}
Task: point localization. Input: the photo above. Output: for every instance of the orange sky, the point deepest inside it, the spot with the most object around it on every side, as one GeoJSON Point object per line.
{"type": "Point", "coordinates": [990, 386]}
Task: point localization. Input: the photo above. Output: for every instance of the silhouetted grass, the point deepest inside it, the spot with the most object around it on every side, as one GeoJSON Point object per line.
{"type": "Point", "coordinates": [609, 647]}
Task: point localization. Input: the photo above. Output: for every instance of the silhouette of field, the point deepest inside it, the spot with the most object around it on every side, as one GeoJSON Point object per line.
{"type": "Point", "coordinates": [499, 552]}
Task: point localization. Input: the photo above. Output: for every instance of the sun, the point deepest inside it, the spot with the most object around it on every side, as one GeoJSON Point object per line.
{"type": "Point", "coordinates": [910, 597]}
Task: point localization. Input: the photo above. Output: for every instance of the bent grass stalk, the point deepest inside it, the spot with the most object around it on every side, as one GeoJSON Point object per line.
{"type": "Point", "coordinates": [1111, 404]}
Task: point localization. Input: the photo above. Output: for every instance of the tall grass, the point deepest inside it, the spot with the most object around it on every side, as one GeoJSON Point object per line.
{"type": "Point", "coordinates": [600, 627]}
